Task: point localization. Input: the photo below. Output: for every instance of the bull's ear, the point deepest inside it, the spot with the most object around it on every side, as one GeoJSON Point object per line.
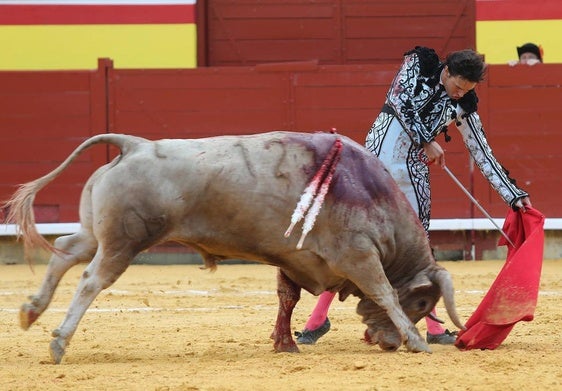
{"type": "Point", "coordinates": [420, 281]}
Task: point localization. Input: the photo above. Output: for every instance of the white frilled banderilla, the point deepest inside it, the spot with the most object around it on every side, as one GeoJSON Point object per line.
{"type": "Point", "coordinates": [315, 193]}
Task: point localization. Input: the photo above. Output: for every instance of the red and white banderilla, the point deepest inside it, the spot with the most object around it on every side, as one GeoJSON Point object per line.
{"type": "Point", "coordinates": [313, 196]}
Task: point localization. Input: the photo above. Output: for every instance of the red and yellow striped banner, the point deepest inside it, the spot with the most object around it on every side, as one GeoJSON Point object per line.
{"type": "Point", "coordinates": [73, 34]}
{"type": "Point", "coordinates": [502, 25]}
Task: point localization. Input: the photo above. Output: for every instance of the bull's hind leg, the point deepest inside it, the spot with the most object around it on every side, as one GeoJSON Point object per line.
{"type": "Point", "coordinates": [75, 248]}
{"type": "Point", "coordinates": [102, 272]}
{"type": "Point", "coordinates": [289, 294]}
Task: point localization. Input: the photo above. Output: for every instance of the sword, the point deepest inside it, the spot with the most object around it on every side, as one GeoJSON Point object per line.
{"type": "Point", "coordinates": [454, 178]}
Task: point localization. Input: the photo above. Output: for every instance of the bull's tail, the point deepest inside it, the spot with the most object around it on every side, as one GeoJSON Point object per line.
{"type": "Point", "coordinates": [20, 206]}
{"type": "Point", "coordinates": [314, 193]}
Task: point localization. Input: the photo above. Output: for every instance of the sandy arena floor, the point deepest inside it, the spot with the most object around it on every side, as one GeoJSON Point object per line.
{"type": "Point", "coordinates": [180, 328]}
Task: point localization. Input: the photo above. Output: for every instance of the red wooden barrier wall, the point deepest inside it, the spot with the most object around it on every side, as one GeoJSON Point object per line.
{"type": "Point", "coordinates": [239, 100]}
{"type": "Point", "coordinates": [250, 32]}
{"type": "Point", "coordinates": [521, 108]}
{"type": "Point", "coordinates": [45, 115]}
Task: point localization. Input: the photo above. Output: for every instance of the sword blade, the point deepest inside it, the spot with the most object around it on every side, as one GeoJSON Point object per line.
{"type": "Point", "coordinates": [461, 186]}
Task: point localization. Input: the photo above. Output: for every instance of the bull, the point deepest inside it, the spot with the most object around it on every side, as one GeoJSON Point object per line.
{"type": "Point", "coordinates": [232, 197]}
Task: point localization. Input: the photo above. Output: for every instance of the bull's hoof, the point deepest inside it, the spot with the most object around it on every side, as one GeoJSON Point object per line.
{"type": "Point", "coordinates": [28, 315]}
{"type": "Point", "coordinates": [56, 350]}
{"type": "Point", "coordinates": [286, 347]}
{"type": "Point", "coordinates": [417, 345]}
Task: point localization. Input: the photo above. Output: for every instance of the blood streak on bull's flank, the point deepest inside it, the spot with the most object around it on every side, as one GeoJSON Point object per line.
{"type": "Point", "coordinates": [73, 34]}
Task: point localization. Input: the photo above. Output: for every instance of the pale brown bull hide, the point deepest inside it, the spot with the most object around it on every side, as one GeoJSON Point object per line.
{"type": "Point", "coordinates": [233, 197]}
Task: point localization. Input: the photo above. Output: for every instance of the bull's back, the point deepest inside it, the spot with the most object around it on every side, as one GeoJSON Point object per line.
{"type": "Point", "coordinates": [243, 190]}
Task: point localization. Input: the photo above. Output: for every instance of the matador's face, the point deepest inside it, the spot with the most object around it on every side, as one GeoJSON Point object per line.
{"type": "Point", "coordinates": [455, 86]}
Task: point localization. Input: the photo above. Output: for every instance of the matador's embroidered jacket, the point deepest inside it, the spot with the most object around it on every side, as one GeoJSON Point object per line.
{"type": "Point", "coordinates": [418, 105]}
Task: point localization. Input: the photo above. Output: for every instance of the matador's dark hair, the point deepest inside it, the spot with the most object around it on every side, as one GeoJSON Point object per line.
{"type": "Point", "coordinates": [467, 64]}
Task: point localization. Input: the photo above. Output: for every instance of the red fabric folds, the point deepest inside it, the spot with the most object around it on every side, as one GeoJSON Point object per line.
{"type": "Point", "coordinates": [513, 295]}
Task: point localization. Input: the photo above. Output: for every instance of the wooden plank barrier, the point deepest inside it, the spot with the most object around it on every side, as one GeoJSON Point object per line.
{"type": "Point", "coordinates": [45, 115]}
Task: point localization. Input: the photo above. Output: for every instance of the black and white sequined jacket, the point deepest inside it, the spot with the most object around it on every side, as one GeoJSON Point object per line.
{"type": "Point", "coordinates": [420, 103]}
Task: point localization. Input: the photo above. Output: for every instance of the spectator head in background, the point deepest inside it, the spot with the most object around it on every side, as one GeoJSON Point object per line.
{"type": "Point", "coordinates": [529, 54]}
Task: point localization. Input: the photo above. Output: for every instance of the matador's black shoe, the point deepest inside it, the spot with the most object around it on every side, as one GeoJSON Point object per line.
{"type": "Point", "coordinates": [309, 337]}
{"type": "Point", "coordinates": [446, 338]}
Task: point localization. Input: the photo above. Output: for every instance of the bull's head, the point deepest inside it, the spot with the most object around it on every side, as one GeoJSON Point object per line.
{"type": "Point", "coordinates": [417, 298]}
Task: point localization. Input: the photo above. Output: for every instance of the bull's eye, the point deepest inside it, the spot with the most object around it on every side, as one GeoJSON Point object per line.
{"type": "Point", "coordinates": [422, 304]}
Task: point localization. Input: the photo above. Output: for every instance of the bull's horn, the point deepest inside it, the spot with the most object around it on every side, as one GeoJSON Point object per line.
{"type": "Point", "coordinates": [445, 282]}
{"type": "Point", "coordinates": [435, 318]}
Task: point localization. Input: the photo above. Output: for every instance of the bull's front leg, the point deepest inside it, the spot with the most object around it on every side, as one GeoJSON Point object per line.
{"type": "Point", "coordinates": [408, 331]}
{"type": "Point", "coordinates": [289, 294]}
{"type": "Point", "coordinates": [371, 280]}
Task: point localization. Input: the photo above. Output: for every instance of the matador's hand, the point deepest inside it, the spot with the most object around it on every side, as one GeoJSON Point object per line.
{"type": "Point", "coordinates": [523, 203]}
{"type": "Point", "coordinates": [434, 153]}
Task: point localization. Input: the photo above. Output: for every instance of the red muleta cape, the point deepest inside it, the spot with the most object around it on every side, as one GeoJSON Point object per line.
{"type": "Point", "coordinates": [513, 295]}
